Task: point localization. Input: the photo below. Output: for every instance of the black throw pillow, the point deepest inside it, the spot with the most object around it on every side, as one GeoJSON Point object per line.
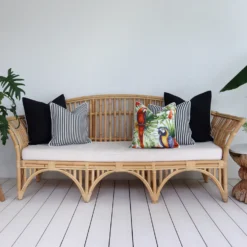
{"type": "Point", "coordinates": [38, 117]}
{"type": "Point", "coordinates": [200, 114]}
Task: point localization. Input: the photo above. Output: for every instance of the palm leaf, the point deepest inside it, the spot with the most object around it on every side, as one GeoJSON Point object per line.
{"type": "Point", "coordinates": [239, 80]}
{"type": "Point", "coordinates": [245, 127]}
{"type": "Point", "coordinates": [11, 84]}
{"type": "Point", "coordinates": [11, 90]}
{"type": "Point", "coordinates": [4, 128]}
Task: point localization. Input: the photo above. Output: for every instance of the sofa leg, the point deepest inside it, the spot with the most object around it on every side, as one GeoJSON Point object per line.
{"type": "Point", "coordinates": [225, 197]}
{"type": "Point", "coordinates": [154, 201]}
{"type": "Point", "coordinates": [20, 195]}
{"type": "Point", "coordinates": [205, 177]}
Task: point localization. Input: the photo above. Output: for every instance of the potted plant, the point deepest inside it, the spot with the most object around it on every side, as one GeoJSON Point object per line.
{"type": "Point", "coordinates": [11, 90]}
{"type": "Point", "coordinates": [239, 80]}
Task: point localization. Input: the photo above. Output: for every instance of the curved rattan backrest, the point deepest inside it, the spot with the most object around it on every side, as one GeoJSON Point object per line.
{"type": "Point", "coordinates": [111, 116]}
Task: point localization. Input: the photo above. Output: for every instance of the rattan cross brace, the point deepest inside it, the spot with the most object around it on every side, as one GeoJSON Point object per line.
{"type": "Point", "coordinates": [111, 119]}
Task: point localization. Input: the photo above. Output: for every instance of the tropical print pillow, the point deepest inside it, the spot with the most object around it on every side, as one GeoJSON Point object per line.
{"type": "Point", "coordinates": [154, 130]}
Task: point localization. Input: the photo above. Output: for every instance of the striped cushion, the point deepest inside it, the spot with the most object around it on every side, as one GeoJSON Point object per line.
{"type": "Point", "coordinates": [69, 127]}
{"type": "Point", "coordinates": [182, 122]}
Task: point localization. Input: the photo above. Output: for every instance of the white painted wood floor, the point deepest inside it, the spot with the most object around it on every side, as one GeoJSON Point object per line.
{"type": "Point", "coordinates": [120, 214]}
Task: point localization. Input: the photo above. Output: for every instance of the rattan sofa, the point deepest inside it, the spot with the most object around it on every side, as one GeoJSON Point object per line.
{"type": "Point", "coordinates": [111, 120]}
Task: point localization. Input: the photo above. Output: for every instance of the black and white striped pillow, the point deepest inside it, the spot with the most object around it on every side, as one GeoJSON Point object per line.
{"type": "Point", "coordinates": [182, 122]}
{"type": "Point", "coordinates": [69, 127]}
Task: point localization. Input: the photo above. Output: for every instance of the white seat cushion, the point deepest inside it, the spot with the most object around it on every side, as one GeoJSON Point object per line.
{"type": "Point", "coordinates": [120, 151]}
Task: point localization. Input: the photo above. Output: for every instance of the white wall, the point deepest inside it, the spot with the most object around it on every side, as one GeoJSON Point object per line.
{"type": "Point", "coordinates": [83, 47]}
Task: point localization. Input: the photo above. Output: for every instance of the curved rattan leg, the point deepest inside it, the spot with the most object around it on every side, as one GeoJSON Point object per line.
{"type": "Point", "coordinates": [22, 190]}
{"type": "Point", "coordinates": [20, 194]}
{"type": "Point", "coordinates": [225, 197]}
{"type": "Point", "coordinates": [222, 188]}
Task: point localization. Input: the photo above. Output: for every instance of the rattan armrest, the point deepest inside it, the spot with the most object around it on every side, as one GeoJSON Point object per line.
{"type": "Point", "coordinates": [18, 133]}
{"type": "Point", "coordinates": [224, 128]}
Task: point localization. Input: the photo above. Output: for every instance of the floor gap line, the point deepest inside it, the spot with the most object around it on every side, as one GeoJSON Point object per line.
{"type": "Point", "coordinates": [109, 242]}
{"type": "Point", "coordinates": [9, 189]}
{"type": "Point", "coordinates": [53, 215]}
{"type": "Point", "coordinates": [188, 213]}
{"type": "Point", "coordinates": [151, 219]}
{"type": "Point", "coordinates": [131, 221]}
{"type": "Point", "coordinates": [24, 206]}
{"type": "Point", "coordinates": [7, 205]}
{"type": "Point", "coordinates": [35, 214]}
{"type": "Point", "coordinates": [171, 218]}
{"type": "Point", "coordinates": [70, 221]}
{"type": "Point", "coordinates": [208, 214]}
{"type": "Point", "coordinates": [92, 214]}
{"type": "Point", "coordinates": [5, 182]}
{"type": "Point", "coordinates": [223, 209]}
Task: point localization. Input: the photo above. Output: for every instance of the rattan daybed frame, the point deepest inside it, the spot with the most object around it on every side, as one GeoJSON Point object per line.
{"type": "Point", "coordinates": [111, 119]}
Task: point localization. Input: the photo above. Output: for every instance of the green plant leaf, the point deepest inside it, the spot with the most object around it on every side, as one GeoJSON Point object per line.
{"type": "Point", "coordinates": [245, 127]}
{"type": "Point", "coordinates": [11, 85]}
{"type": "Point", "coordinates": [11, 90]}
{"type": "Point", "coordinates": [4, 128]}
{"type": "Point", "coordinates": [239, 80]}
{"type": "Point", "coordinates": [1, 97]}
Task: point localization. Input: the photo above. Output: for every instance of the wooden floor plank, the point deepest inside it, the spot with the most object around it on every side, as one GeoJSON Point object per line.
{"type": "Point", "coordinates": [77, 229]}
{"type": "Point", "coordinates": [187, 214]}
{"type": "Point", "coordinates": [238, 216]}
{"type": "Point", "coordinates": [143, 232]}
{"type": "Point", "coordinates": [121, 229]}
{"type": "Point", "coordinates": [37, 226]}
{"type": "Point", "coordinates": [99, 231]}
{"type": "Point", "coordinates": [9, 197]}
{"type": "Point", "coordinates": [233, 182]}
{"type": "Point", "coordinates": [8, 214]}
{"type": "Point", "coordinates": [8, 185]}
{"type": "Point", "coordinates": [187, 231]}
{"type": "Point", "coordinates": [3, 180]}
{"type": "Point", "coordinates": [12, 231]}
{"type": "Point", "coordinates": [205, 225]}
{"type": "Point", "coordinates": [54, 234]}
{"type": "Point", "coordinates": [228, 227]}
{"type": "Point", "coordinates": [164, 228]}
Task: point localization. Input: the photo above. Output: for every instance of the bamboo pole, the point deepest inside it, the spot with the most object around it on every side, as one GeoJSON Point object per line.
{"type": "Point", "coordinates": [105, 116]}
{"type": "Point", "coordinates": [160, 176]}
{"type": "Point", "coordinates": [120, 119]}
{"type": "Point", "coordinates": [149, 177]}
{"type": "Point", "coordinates": [100, 120]}
{"type": "Point", "coordinates": [220, 176]}
{"type": "Point", "coordinates": [115, 121]}
{"type": "Point", "coordinates": [110, 123]}
{"type": "Point", "coordinates": [125, 121]}
{"type": "Point", "coordinates": [91, 119]}
{"type": "Point", "coordinates": [92, 176]}
{"type": "Point", "coordinates": [95, 118]}
{"type": "Point", "coordinates": [130, 120]}
{"type": "Point", "coordinates": [80, 177]}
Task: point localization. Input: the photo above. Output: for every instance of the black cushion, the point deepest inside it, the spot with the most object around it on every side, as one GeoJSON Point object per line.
{"type": "Point", "coordinates": [38, 117]}
{"type": "Point", "coordinates": [200, 114]}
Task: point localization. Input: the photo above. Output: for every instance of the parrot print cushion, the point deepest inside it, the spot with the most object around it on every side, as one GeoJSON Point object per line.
{"type": "Point", "coordinates": [182, 122]}
{"type": "Point", "coordinates": [154, 130]}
